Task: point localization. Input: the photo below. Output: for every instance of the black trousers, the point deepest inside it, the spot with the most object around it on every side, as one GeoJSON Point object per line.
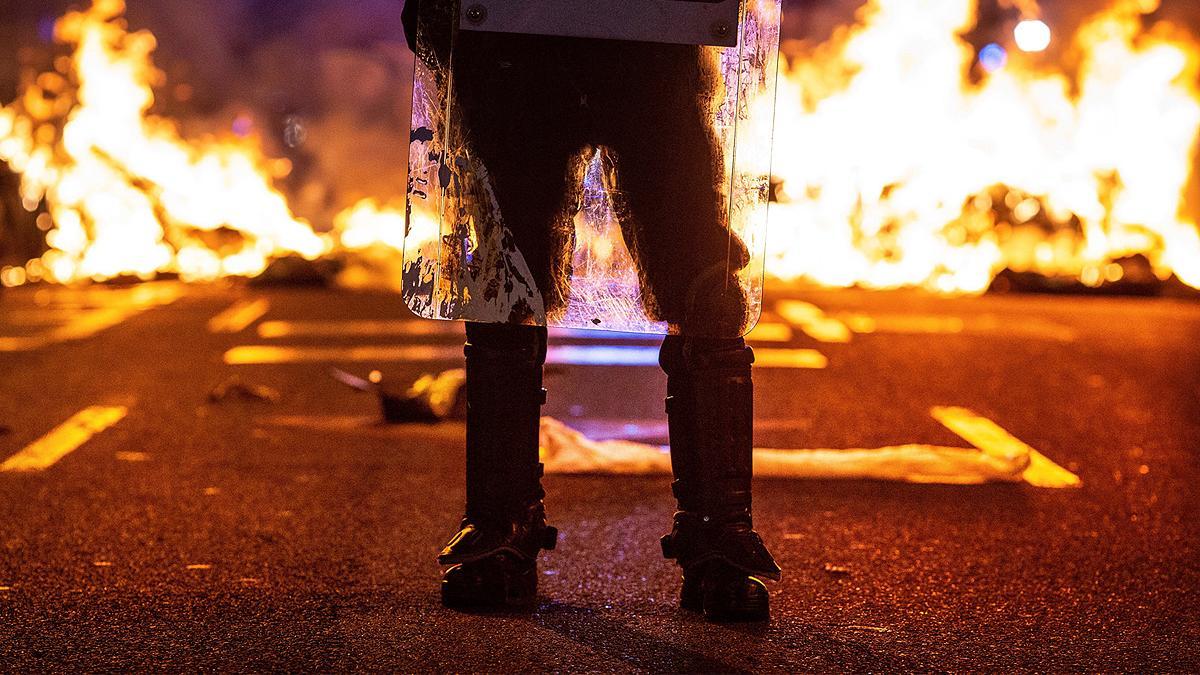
{"type": "Point", "coordinates": [534, 109]}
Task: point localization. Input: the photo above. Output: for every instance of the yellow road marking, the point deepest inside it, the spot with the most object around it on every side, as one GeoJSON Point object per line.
{"type": "Point", "coordinates": [142, 295]}
{"type": "Point", "coordinates": [91, 311]}
{"type": "Point", "coordinates": [263, 354]}
{"type": "Point", "coordinates": [942, 324]}
{"type": "Point", "coordinates": [990, 438]}
{"type": "Point", "coordinates": [90, 323]}
{"type": "Point", "coordinates": [285, 329]}
{"type": "Point", "coordinates": [840, 327]}
{"type": "Point", "coordinates": [789, 358]}
{"type": "Point", "coordinates": [156, 293]}
{"type": "Point", "coordinates": [270, 355]}
{"type": "Point", "coordinates": [85, 324]}
{"type": "Point", "coordinates": [37, 317]}
{"type": "Point", "coordinates": [770, 331]}
{"type": "Point", "coordinates": [813, 321]}
{"type": "Point", "coordinates": [766, 331]}
{"type": "Point", "coordinates": [996, 457]}
{"type": "Point", "coordinates": [200, 566]}
{"type": "Point", "coordinates": [238, 317]}
{"type": "Point", "coordinates": [21, 344]}
{"type": "Point", "coordinates": [67, 437]}
{"type": "Point", "coordinates": [905, 323]}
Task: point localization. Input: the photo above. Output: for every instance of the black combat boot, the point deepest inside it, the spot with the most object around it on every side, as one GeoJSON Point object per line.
{"type": "Point", "coordinates": [710, 413]}
{"type": "Point", "coordinates": [493, 557]}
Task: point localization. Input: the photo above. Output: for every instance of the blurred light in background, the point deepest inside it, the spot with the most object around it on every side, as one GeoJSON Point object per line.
{"type": "Point", "coordinates": [993, 57]}
{"type": "Point", "coordinates": [243, 124]}
{"type": "Point", "coordinates": [1032, 35]}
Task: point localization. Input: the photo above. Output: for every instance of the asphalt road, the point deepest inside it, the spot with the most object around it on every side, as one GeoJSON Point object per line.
{"type": "Point", "coordinates": [299, 533]}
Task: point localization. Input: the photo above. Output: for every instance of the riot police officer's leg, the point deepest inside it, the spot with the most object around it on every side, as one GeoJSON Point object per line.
{"type": "Point", "coordinates": [710, 409]}
{"type": "Point", "coordinates": [524, 124]}
{"type": "Point", "coordinates": [668, 169]}
{"type": "Point", "coordinates": [657, 123]}
{"type": "Point", "coordinates": [494, 555]}
{"type": "Point", "coordinates": [518, 130]}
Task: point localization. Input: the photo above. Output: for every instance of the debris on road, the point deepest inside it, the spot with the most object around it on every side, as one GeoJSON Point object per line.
{"type": "Point", "coordinates": [1131, 275]}
{"type": "Point", "coordinates": [867, 629]}
{"type": "Point", "coordinates": [431, 399]}
{"type": "Point", "coordinates": [236, 389]}
{"type": "Point", "coordinates": [565, 450]}
{"type": "Point", "coordinates": [295, 270]}
{"type": "Point", "coordinates": [837, 570]}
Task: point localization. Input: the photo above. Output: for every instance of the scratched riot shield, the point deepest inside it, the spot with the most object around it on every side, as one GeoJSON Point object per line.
{"type": "Point", "coordinates": [597, 164]}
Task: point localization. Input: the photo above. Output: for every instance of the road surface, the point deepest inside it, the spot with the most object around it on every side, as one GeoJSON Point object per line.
{"type": "Point", "coordinates": [144, 525]}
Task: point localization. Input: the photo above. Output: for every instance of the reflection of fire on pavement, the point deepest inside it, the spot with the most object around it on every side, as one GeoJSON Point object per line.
{"type": "Point", "coordinates": [901, 159]}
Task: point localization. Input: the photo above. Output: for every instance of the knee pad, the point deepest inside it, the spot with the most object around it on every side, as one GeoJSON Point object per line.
{"type": "Point", "coordinates": [506, 342]}
{"type": "Point", "coordinates": [682, 354]}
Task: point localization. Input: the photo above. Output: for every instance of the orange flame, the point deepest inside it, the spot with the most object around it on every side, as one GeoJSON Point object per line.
{"type": "Point", "coordinates": [128, 195]}
{"type": "Point", "coordinates": [894, 162]}
{"type": "Point", "coordinates": [897, 169]}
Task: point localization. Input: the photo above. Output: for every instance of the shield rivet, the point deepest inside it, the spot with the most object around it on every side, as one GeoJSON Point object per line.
{"type": "Point", "coordinates": [720, 29]}
{"type": "Point", "coordinates": [476, 14]}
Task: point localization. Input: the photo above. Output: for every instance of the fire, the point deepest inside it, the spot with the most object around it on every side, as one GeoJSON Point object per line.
{"type": "Point", "coordinates": [369, 223]}
{"type": "Point", "coordinates": [128, 195]}
{"type": "Point", "coordinates": [897, 166]}
{"type": "Point", "coordinates": [900, 172]}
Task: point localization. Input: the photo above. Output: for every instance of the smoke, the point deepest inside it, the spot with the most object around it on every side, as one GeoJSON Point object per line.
{"type": "Point", "coordinates": [326, 85]}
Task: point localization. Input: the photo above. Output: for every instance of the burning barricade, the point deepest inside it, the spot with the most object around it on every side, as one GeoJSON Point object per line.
{"type": "Point", "coordinates": [904, 158]}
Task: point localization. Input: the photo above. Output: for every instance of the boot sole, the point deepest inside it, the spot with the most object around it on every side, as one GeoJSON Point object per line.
{"type": "Point", "coordinates": [508, 589]}
{"type": "Point", "coordinates": [756, 612]}
{"type": "Point", "coordinates": [727, 607]}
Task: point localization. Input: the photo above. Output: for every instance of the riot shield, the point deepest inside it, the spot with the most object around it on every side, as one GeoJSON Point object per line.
{"type": "Point", "coordinates": [598, 164]}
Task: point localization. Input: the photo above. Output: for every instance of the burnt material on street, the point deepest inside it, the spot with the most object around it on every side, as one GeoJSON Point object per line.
{"type": "Point", "coordinates": [185, 486]}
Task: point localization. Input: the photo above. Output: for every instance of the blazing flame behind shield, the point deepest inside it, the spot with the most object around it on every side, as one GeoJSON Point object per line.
{"type": "Point", "coordinates": [894, 167]}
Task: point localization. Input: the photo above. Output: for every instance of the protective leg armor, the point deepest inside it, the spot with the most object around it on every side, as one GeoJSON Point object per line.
{"type": "Point", "coordinates": [710, 420]}
{"type": "Point", "coordinates": [493, 557]}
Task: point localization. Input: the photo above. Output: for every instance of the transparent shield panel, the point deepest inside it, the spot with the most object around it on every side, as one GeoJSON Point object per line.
{"type": "Point", "coordinates": [590, 183]}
